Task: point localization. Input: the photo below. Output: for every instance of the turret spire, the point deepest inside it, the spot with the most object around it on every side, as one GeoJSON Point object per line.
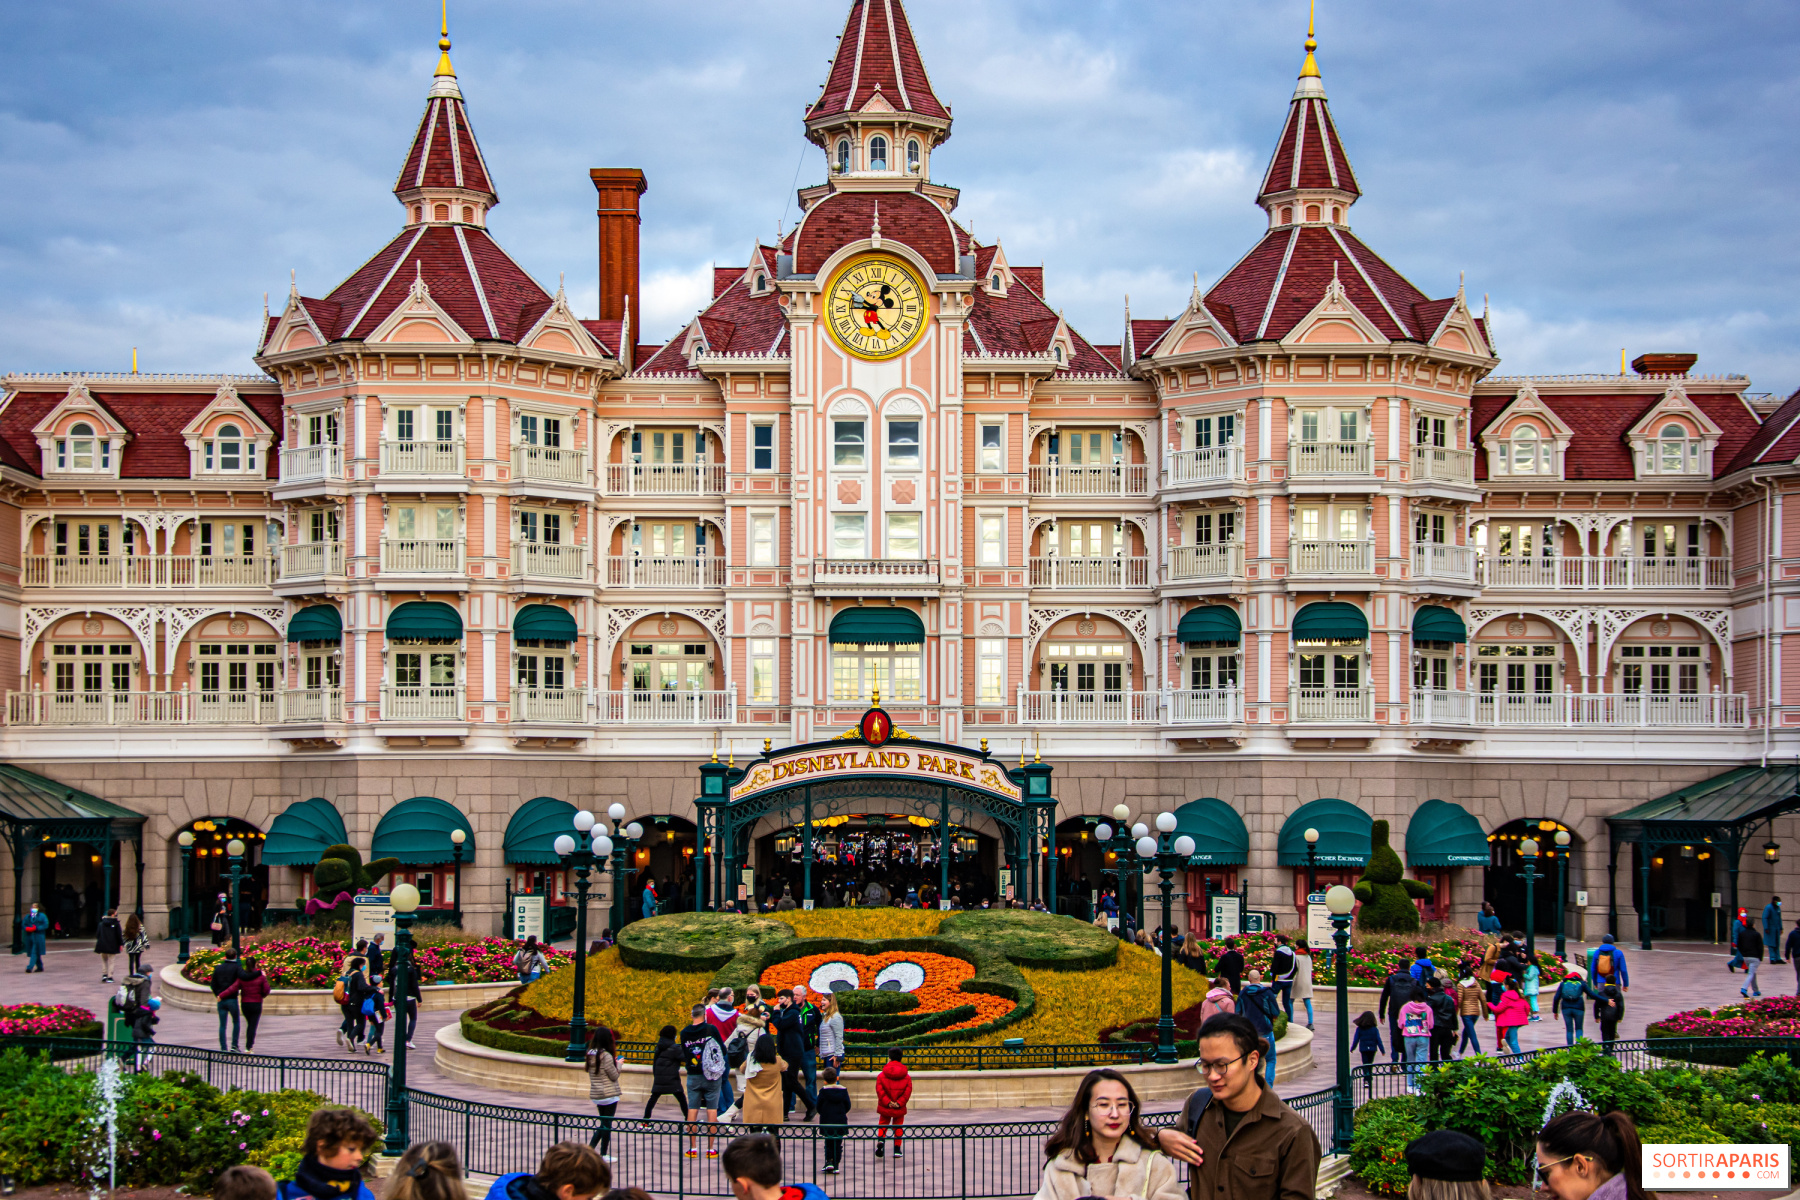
{"type": "Point", "coordinates": [444, 68]}
{"type": "Point", "coordinates": [1310, 68]}
{"type": "Point", "coordinates": [443, 177]}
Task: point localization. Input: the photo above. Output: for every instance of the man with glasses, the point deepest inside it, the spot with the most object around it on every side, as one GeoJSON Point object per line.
{"type": "Point", "coordinates": [1240, 1140]}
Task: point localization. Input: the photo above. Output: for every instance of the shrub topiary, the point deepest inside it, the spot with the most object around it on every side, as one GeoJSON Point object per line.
{"type": "Point", "coordinates": [341, 869]}
{"type": "Point", "coordinates": [1386, 894]}
{"type": "Point", "coordinates": [1034, 939]}
{"type": "Point", "coordinates": [698, 941]}
{"type": "Point", "coordinates": [863, 1002]}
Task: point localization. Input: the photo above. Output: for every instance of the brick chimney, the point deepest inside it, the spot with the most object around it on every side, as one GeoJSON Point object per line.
{"type": "Point", "coordinates": [618, 189]}
{"type": "Point", "coordinates": [1664, 364]}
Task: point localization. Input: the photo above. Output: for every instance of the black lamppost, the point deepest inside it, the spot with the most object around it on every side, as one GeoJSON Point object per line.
{"type": "Point", "coordinates": [457, 838]}
{"type": "Point", "coordinates": [185, 839]}
{"type": "Point", "coordinates": [1528, 850]}
{"type": "Point", "coordinates": [405, 900]}
{"type": "Point", "coordinates": [581, 861]}
{"type": "Point", "coordinates": [1168, 852]}
{"type": "Point", "coordinates": [1312, 861]}
{"type": "Point", "coordinates": [1562, 876]}
{"type": "Point", "coordinates": [1341, 902]}
{"type": "Point", "coordinates": [235, 849]}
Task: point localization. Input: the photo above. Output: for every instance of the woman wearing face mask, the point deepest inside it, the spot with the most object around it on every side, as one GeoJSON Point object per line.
{"type": "Point", "coordinates": [1099, 1149]}
{"type": "Point", "coordinates": [37, 933]}
{"type": "Point", "coordinates": [1581, 1156]}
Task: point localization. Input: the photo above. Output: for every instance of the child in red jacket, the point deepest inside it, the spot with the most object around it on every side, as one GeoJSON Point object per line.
{"type": "Point", "coordinates": [893, 1088]}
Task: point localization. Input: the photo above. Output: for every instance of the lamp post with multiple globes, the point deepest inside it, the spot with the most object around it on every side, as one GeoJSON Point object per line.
{"type": "Point", "coordinates": [405, 900]}
{"type": "Point", "coordinates": [1340, 901]}
{"type": "Point", "coordinates": [581, 861]}
{"type": "Point", "coordinates": [185, 839]}
{"type": "Point", "coordinates": [1169, 852]}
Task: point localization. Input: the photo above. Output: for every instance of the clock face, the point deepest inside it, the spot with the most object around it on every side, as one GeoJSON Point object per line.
{"type": "Point", "coordinates": [876, 307]}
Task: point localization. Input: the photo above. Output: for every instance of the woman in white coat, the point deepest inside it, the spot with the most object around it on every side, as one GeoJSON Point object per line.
{"type": "Point", "coordinates": [1303, 981]}
{"type": "Point", "coordinates": [1099, 1149]}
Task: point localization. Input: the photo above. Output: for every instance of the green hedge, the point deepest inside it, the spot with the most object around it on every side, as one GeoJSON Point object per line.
{"type": "Point", "coordinates": [1034, 939]}
{"type": "Point", "coordinates": [691, 942]}
{"type": "Point", "coordinates": [862, 1002]}
{"type": "Point", "coordinates": [906, 1026]}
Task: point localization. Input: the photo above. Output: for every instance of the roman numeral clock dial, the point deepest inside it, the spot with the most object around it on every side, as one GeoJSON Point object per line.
{"type": "Point", "coordinates": [876, 307]}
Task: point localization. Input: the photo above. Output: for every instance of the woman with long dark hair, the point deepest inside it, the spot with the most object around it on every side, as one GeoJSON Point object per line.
{"type": "Point", "coordinates": [1100, 1149]}
{"type": "Point", "coordinates": [1581, 1156]}
{"type": "Point", "coordinates": [603, 1087]}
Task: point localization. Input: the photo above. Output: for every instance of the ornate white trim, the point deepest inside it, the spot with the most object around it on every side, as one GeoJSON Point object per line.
{"type": "Point", "coordinates": [140, 619]}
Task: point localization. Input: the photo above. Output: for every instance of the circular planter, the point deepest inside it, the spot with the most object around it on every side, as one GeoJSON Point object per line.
{"type": "Point", "coordinates": [293, 1002]}
{"type": "Point", "coordinates": [463, 1060]}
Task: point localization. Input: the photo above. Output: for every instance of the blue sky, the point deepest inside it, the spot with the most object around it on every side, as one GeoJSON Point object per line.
{"type": "Point", "coordinates": [1613, 175]}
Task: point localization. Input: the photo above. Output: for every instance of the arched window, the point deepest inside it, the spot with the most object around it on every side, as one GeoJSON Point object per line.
{"type": "Point", "coordinates": [76, 452]}
{"type": "Point", "coordinates": [229, 450]}
{"type": "Point", "coordinates": [912, 155]}
{"type": "Point", "coordinates": [418, 213]}
{"type": "Point", "coordinates": [1287, 214]}
{"type": "Point", "coordinates": [994, 282]}
{"type": "Point", "coordinates": [1335, 211]}
{"type": "Point", "coordinates": [1530, 453]}
{"type": "Point", "coordinates": [441, 212]}
{"type": "Point", "coordinates": [1676, 453]}
{"type": "Point", "coordinates": [468, 215]}
{"type": "Point", "coordinates": [762, 281]}
{"type": "Point", "coordinates": [1312, 212]}
{"type": "Point", "coordinates": [1059, 354]}
{"type": "Point", "coordinates": [878, 153]}
{"type": "Point", "coordinates": [843, 155]}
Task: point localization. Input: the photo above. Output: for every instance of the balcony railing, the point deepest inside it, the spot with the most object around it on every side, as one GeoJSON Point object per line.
{"type": "Point", "coordinates": [665, 479]}
{"type": "Point", "coordinates": [1619, 573]}
{"type": "Point", "coordinates": [1440, 708]}
{"type": "Point", "coordinates": [430, 702]}
{"type": "Point", "coordinates": [313, 705]}
{"type": "Point", "coordinates": [1120, 479]}
{"type": "Point", "coordinates": [550, 464]}
{"type": "Point", "coordinates": [893, 570]}
{"type": "Point", "coordinates": [665, 708]}
{"type": "Point", "coordinates": [566, 706]}
{"type": "Point", "coordinates": [549, 560]}
{"type": "Point", "coordinates": [312, 559]}
{"type": "Point", "coordinates": [1434, 560]}
{"type": "Point", "coordinates": [1331, 558]}
{"type": "Point", "coordinates": [1334, 705]}
{"type": "Point", "coordinates": [422, 458]}
{"type": "Point", "coordinates": [142, 708]}
{"type": "Point", "coordinates": [425, 556]}
{"type": "Point", "coordinates": [1223, 707]}
{"type": "Point", "coordinates": [1193, 564]}
{"type": "Point", "coordinates": [1057, 572]}
{"type": "Point", "coordinates": [304, 464]}
{"type": "Point", "coordinates": [1706, 710]}
{"type": "Point", "coordinates": [1216, 464]}
{"type": "Point", "coordinates": [665, 571]}
{"type": "Point", "coordinates": [1313, 459]}
{"type": "Point", "coordinates": [1089, 708]}
{"type": "Point", "coordinates": [1437, 462]}
{"type": "Point", "coordinates": [149, 571]}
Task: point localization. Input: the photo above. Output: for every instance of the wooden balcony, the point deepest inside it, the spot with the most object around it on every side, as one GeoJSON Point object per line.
{"type": "Point", "coordinates": [665, 708]}
{"type": "Point", "coordinates": [549, 560]}
{"type": "Point", "coordinates": [1441, 463]}
{"type": "Point", "coordinates": [1643, 710]}
{"type": "Point", "coordinates": [665, 479]}
{"type": "Point", "coordinates": [312, 464]}
{"type": "Point", "coordinates": [429, 702]}
{"type": "Point", "coordinates": [423, 458]}
{"type": "Point", "coordinates": [1089, 708]}
{"type": "Point", "coordinates": [1453, 564]}
{"type": "Point", "coordinates": [1331, 558]}
{"type": "Point", "coordinates": [1217, 464]}
{"type": "Point", "coordinates": [1221, 561]}
{"type": "Point", "coordinates": [312, 560]}
{"type": "Point", "coordinates": [1333, 705]}
{"type": "Point", "coordinates": [422, 556]}
{"type": "Point", "coordinates": [549, 464]}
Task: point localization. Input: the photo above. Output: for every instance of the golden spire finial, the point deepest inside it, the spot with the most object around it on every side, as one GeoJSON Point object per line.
{"type": "Point", "coordinates": [444, 67]}
{"type": "Point", "coordinates": [1310, 68]}
{"type": "Point", "coordinates": [875, 698]}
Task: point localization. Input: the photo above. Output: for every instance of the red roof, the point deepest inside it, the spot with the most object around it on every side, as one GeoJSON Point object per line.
{"type": "Point", "coordinates": [444, 153]}
{"type": "Point", "coordinates": [1021, 322]}
{"type": "Point", "coordinates": [877, 54]}
{"type": "Point", "coordinates": [1599, 423]}
{"type": "Point", "coordinates": [1777, 441]}
{"type": "Point", "coordinates": [1145, 335]}
{"type": "Point", "coordinates": [1283, 278]}
{"type": "Point", "coordinates": [1309, 153]}
{"type": "Point", "coordinates": [845, 217]}
{"type": "Point", "coordinates": [156, 449]}
{"type": "Point", "coordinates": [468, 275]}
{"type": "Point", "coordinates": [734, 323]}
{"type": "Point", "coordinates": [607, 333]}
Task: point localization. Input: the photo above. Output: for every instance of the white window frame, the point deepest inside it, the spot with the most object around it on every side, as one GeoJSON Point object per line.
{"type": "Point", "coordinates": [762, 539]}
{"type": "Point", "coordinates": [990, 460]}
{"type": "Point", "coordinates": [843, 525]}
{"type": "Point", "coordinates": [990, 671]}
{"type": "Point", "coordinates": [897, 534]}
{"type": "Point", "coordinates": [990, 531]}
{"type": "Point", "coordinates": [764, 683]}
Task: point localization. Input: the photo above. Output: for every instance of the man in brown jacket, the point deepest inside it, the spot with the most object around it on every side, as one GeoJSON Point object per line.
{"type": "Point", "coordinates": [1241, 1141]}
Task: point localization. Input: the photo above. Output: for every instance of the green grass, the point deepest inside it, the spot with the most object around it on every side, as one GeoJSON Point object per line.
{"type": "Point", "coordinates": [697, 941]}
{"type": "Point", "coordinates": [1034, 939]}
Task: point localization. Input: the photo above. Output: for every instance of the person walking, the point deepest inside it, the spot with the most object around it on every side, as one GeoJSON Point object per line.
{"type": "Point", "coordinates": [1217, 1000]}
{"type": "Point", "coordinates": [603, 1088]}
{"type": "Point", "coordinates": [831, 1034]}
{"type": "Point", "coordinates": [665, 1072]}
{"type": "Point", "coordinates": [406, 1008]}
{"type": "Point", "coordinates": [722, 1015]}
{"type": "Point", "coordinates": [1416, 1020]}
{"type": "Point", "coordinates": [1281, 974]}
{"type": "Point", "coordinates": [249, 990]}
{"type": "Point", "coordinates": [222, 921]}
{"type": "Point", "coordinates": [1366, 1041]}
{"type": "Point", "coordinates": [1303, 980]}
{"type": "Point", "coordinates": [1443, 1019]}
{"type": "Point", "coordinates": [704, 1055]}
{"type": "Point", "coordinates": [834, 1118]}
{"type": "Point", "coordinates": [1396, 990]}
{"type": "Point", "coordinates": [763, 1099]}
{"type": "Point", "coordinates": [1606, 962]}
{"type": "Point", "coordinates": [1570, 1000]}
{"type": "Point", "coordinates": [790, 1041]}
{"type": "Point", "coordinates": [1609, 1010]}
{"type": "Point", "coordinates": [1422, 967]}
{"type": "Point", "coordinates": [1231, 965]}
{"type": "Point", "coordinates": [1750, 945]}
{"type": "Point", "coordinates": [1510, 1015]}
{"type": "Point", "coordinates": [529, 961]}
{"type": "Point", "coordinates": [223, 976]}
{"type": "Point", "coordinates": [1471, 1006]}
{"type": "Point", "coordinates": [810, 1021]}
{"type": "Point", "coordinates": [375, 956]}
{"type": "Point", "coordinates": [36, 928]}
{"type": "Point", "coordinates": [1099, 1148]}
{"type": "Point", "coordinates": [1531, 980]}
{"type": "Point", "coordinates": [1257, 1004]}
{"type": "Point", "coordinates": [1738, 924]}
{"type": "Point", "coordinates": [109, 939]}
{"type": "Point", "coordinates": [1771, 916]}
{"type": "Point", "coordinates": [137, 940]}
{"type": "Point", "coordinates": [893, 1091]}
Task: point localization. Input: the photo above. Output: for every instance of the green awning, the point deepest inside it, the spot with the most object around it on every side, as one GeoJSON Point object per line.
{"type": "Point", "coordinates": [1435, 623]}
{"type": "Point", "coordinates": [1332, 621]}
{"type": "Point", "coordinates": [545, 621]}
{"type": "Point", "coordinates": [423, 620]}
{"type": "Point", "coordinates": [863, 626]}
{"type": "Point", "coordinates": [40, 805]}
{"type": "Point", "coordinates": [304, 830]}
{"type": "Point", "coordinates": [535, 826]}
{"type": "Point", "coordinates": [1344, 837]}
{"type": "Point", "coordinates": [316, 623]}
{"type": "Point", "coordinates": [417, 832]}
{"type": "Point", "coordinates": [1220, 838]}
{"type": "Point", "coordinates": [1442, 834]}
{"type": "Point", "coordinates": [1209, 623]}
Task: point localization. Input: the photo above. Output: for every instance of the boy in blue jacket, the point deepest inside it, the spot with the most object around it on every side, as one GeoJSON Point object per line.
{"type": "Point", "coordinates": [568, 1171]}
{"type": "Point", "coordinates": [332, 1158]}
{"type": "Point", "coordinates": [753, 1164]}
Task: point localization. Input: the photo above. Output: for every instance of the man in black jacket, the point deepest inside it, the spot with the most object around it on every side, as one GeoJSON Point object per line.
{"type": "Point", "coordinates": [1396, 990]}
{"type": "Point", "coordinates": [1443, 1018]}
{"type": "Point", "coordinates": [790, 1025]}
{"type": "Point", "coordinates": [223, 976]}
{"type": "Point", "coordinates": [1231, 965]}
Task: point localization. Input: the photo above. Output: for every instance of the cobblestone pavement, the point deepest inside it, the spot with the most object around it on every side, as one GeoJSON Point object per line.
{"type": "Point", "coordinates": [1674, 976]}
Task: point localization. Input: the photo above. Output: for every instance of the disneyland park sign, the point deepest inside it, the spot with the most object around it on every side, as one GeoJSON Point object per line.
{"type": "Point", "coordinates": [942, 764]}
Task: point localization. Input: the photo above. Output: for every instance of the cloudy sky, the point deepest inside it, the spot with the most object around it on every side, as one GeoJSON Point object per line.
{"type": "Point", "coordinates": [1615, 175]}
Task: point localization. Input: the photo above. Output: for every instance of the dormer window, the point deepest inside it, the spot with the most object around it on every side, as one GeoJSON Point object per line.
{"type": "Point", "coordinates": [1058, 351]}
{"type": "Point", "coordinates": [418, 213]}
{"type": "Point", "coordinates": [229, 450]}
{"type": "Point", "coordinates": [762, 282]}
{"type": "Point", "coordinates": [1312, 212]}
{"type": "Point", "coordinates": [994, 282]}
{"type": "Point", "coordinates": [1335, 214]}
{"type": "Point", "coordinates": [912, 156]}
{"type": "Point", "coordinates": [877, 153]}
{"type": "Point", "coordinates": [1673, 452]}
{"type": "Point", "coordinates": [843, 155]}
{"type": "Point", "coordinates": [77, 451]}
{"type": "Point", "coordinates": [1527, 452]}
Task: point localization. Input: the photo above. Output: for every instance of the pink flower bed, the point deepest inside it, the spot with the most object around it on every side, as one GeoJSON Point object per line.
{"type": "Point", "coordinates": [1367, 968]}
{"type": "Point", "coordinates": [312, 962]}
{"type": "Point", "coordinates": [1771, 1017]}
{"type": "Point", "coordinates": [46, 1020]}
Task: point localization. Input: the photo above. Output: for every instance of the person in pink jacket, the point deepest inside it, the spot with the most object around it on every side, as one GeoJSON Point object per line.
{"type": "Point", "coordinates": [1509, 1014]}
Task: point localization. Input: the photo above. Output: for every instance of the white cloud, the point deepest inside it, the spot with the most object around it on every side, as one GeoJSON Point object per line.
{"type": "Point", "coordinates": [672, 297]}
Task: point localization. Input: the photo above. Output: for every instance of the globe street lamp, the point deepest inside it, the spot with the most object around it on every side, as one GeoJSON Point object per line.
{"type": "Point", "coordinates": [581, 862]}
{"type": "Point", "coordinates": [619, 914]}
{"type": "Point", "coordinates": [1312, 861]}
{"type": "Point", "coordinates": [457, 838]}
{"type": "Point", "coordinates": [185, 839]}
{"type": "Point", "coordinates": [1340, 901]}
{"type": "Point", "coordinates": [1562, 875]}
{"type": "Point", "coordinates": [235, 849]}
{"type": "Point", "coordinates": [1139, 832]}
{"type": "Point", "coordinates": [1528, 850]}
{"type": "Point", "coordinates": [405, 900]}
{"type": "Point", "coordinates": [1169, 852]}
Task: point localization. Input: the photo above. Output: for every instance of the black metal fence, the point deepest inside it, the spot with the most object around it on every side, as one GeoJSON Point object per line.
{"type": "Point", "coordinates": [966, 1058]}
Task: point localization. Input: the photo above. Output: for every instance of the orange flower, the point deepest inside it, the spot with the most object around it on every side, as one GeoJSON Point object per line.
{"type": "Point", "coordinates": [935, 979]}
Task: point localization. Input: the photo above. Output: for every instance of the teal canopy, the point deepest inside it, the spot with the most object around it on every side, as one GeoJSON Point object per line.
{"type": "Point", "coordinates": [425, 620]}
{"type": "Point", "coordinates": [1210, 623]}
{"type": "Point", "coordinates": [1331, 621]}
{"type": "Point", "coordinates": [316, 623]}
{"type": "Point", "coordinates": [545, 621]}
{"type": "Point", "coordinates": [417, 832]}
{"type": "Point", "coordinates": [535, 826]}
{"type": "Point", "coordinates": [304, 830]}
{"type": "Point", "coordinates": [1435, 623]}
{"type": "Point", "coordinates": [1442, 834]}
{"type": "Point", "coordinates": [1344, 834]}
{"type": "Point", "coordinates": [863, 626]}
{"type": "Point", "coordinates": [1220, 838]}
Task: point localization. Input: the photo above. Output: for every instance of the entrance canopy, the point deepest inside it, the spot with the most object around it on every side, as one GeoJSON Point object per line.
{"type": "Point", "coordinates": [1220, 839]}
{"type": "Point", "coordinates": [304, 830]}
{"type": "Point", "coordinates": [1345, 837]}
{"type": "Point", "coordinates": [877, 626]}
{"type": "Point", "coordinates": [417, 832]}
{"type": "Point", "coordinates": [35, 809]}
{"type": "Point", "coordinates": [1442, 834]}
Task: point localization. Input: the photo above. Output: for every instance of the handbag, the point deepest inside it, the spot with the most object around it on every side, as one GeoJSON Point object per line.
{"type": "Point", "coordinates": [218, 926]}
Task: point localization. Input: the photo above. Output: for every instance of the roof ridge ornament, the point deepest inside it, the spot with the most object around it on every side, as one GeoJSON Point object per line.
{"type": "Point", "coordinates": [443, 67]}
{"type": "Point", "coordinates": [1310, 68]}
{"type": "Point", "coordinates": [875, 226]}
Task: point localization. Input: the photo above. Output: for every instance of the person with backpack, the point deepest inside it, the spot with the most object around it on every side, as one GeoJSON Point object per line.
{"type": "Point", "coordinates": [530, 961]}
{"type": "Point", "coordinates": [1471, 1006]}
{"type": "Point", "coordinates": [1570, 1000]}
{"type": "Point", "coordinates": [1258, 1005]}
{"type": "Point", "coordinates": [665, 1072]}
{"type": "Point", "coordinates": [1367, 1038]}
{"type": "Point", "coordinates": [1396, 990]}
{"type": "Point", "coordinates": [1738, 923]}
{"type": "Point", "coordinates": [1606, 963]}
{"type": "Point", "coordinates": [375, 1015]}
{"type": "Point", "coordinates": [704, 1054]}
{"type": "Point", "coordinates": [893, 1091]}
{"type": "Point", "coordinates": [1218, 1000]}
{"type": "Point", "coordinates": [722, 1015]}
{"type": "Point", "coordinates": [223, 976]}
{"type": "Point", "coordinates": [1443, 1019]}
{"type": "Point", "coordinates": [1422, 967]}
{"type": "Point", "coordinates": [1281, 974]}
{"type": "Point", "coordinates": [1750, 945]}
{"type": "Point", "coordinates": [1416, 1021]}
{"type": "Point", "coordinates": [249, 989]}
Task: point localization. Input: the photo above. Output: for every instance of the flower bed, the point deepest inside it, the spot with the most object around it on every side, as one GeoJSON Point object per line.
{"type": "Point", "coordinates": [48, 1020]}
{"type": "Point", "coordinates": [1770, 1017]}
{"type": "Point", "coordinates": [1075, 1007]}
{"type": "Point", "coordinates": [1368, 968]}
{"type": "Point", "coordinates": [315, 963]}
{"type": "Point", "coordinates": [941, 1003]}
